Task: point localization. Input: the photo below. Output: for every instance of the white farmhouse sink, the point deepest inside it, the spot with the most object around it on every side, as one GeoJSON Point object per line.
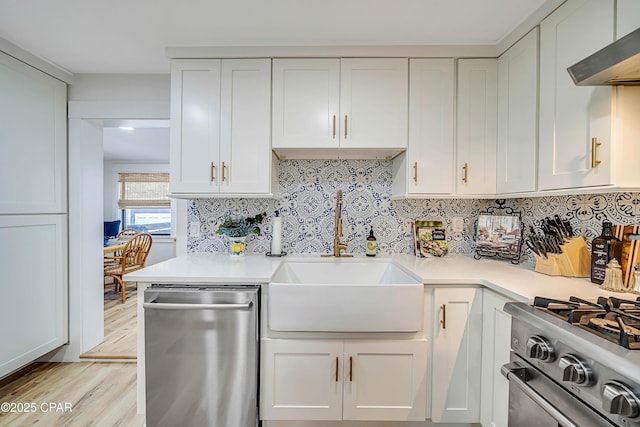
{"type": "Point", "coordinates": [338, 295]}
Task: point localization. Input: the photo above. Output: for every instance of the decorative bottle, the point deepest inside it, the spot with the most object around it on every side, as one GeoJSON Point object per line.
{"type": "Point", "coordinates": [372, 244]}
{"type": "Point", "coordinates": [604, 248]}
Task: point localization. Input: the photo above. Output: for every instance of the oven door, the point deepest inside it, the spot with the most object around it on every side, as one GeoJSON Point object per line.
{"type": "Point", "coordinates": [537, 401]}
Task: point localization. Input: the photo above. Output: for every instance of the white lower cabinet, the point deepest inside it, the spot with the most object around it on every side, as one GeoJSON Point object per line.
{"type": "Point", "coordinates": [34, 310]}
{"type": "Point", "coordinates": [382, 380]}
{"type": "Point", "coordinates": [456, 361]}
{"type": "Point", "coordinates": [496, 345]}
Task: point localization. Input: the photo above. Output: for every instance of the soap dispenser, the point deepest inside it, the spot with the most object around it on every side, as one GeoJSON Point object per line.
{"type": "Point", "coordinates": [372, 245]}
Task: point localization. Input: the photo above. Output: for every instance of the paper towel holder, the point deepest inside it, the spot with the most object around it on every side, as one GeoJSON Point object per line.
{"type": "Point", "coordinates": [276, 238]}
{"type": "Point", "coordinates": [276, 256]}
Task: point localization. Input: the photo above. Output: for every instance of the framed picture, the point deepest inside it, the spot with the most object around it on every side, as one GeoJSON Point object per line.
{"type": "Point", "coordinates": [499, 235]}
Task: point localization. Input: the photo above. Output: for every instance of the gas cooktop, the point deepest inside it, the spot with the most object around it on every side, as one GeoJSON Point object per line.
{"type": "Point", "coordinates": [614, 319]}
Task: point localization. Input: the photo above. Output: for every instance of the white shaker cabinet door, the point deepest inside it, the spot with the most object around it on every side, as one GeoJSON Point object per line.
{"type": "Point", "coordinates": [374, 102]}
{"type": "Point", "coordinates": [572, 116]}
{"type": "Point", "coordinates": [33, 140]}
{"type": "Point", "coordinates": [195, 126]}
{"type": "Point", "coordinates": [306, 103]}
{"type": "Point", "coordinates": [385, 380]}
{"type": "Point", "coordinates": [34, 308]}
{"type": "Point", "coordinates": [477, 111]}
{"type": "Point", "coordinates": [245, 120]}
{"type": "Point", "coordinates": [301, 380]}
{"type": "Point", "coordinates": [496, 348]}
{"type": "Point", "coordinates": [518, 116]}
{"type": "Point", "coordinates": [457, 343]}
{"type": "Point", "coordinates": [431, 144]}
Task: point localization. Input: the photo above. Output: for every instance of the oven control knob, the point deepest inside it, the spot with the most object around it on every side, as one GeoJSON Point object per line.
{"type": "Point", "coordinates": [619, 399]}
{"type": "Point", "coordinates": [575, 370]}
{"type": "Point", "coordinates": [541, 349]}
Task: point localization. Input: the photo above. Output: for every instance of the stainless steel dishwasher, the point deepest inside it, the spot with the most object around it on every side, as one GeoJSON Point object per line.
{"type": "Point", "coordinates": [201, 355]}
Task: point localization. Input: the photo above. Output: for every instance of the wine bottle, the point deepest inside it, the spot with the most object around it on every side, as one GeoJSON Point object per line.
{"type": "Point", "coordinates": [604, 248]}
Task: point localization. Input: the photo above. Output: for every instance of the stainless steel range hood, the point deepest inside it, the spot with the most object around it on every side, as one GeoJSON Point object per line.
{"type": "Point", "coordinates": [616, 64]}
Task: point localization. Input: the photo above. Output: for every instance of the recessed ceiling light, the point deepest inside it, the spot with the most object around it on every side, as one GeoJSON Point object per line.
{"type": "Point", "coordinates": [126, 128]}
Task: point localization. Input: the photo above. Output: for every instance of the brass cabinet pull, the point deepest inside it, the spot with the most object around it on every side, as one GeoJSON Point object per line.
{"type": "Point", "coordinates": [334, 126]}
{"type": "Point", "coordinates": [223, 169]}
{"type": "Point", "coordinates": [336, 369]}
{"type": "Point", "coordinates": [415, 172]}
{"type": "Point", "coordinates": [213, 171]}
{"type": "Point", "coordinates": [345, 126]}
{"type": "Point", "coordinates": [350, 368]}
{"type": "Point", "coordinates": [594, 152]}
{"type": "Point", "coordinates": [465, 168]}
{"type": "Point", "coordinates": [443, 321]}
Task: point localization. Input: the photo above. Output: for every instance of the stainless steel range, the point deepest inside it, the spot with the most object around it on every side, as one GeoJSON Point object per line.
{"type": "Point", "coordinates": [574, 363]}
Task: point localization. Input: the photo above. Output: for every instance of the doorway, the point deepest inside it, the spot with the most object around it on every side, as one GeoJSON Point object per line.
{"type": "Point", "coordinates": [128, 146]}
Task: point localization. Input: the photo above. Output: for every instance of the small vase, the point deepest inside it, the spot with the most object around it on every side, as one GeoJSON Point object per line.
{"type": "Point", "coordinates": [237, 246]}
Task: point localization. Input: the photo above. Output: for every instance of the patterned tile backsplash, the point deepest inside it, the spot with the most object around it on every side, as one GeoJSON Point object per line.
{"type": "Point", "coordinates": [307, 202]}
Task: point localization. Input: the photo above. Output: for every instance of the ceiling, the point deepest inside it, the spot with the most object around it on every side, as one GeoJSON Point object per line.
{"type": "Point", "coordinates": [146, 142]}
{"type": "Point", "coordinates": [124, 36]}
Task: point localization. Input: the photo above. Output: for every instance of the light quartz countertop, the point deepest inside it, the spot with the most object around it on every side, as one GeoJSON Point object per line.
{"type": "Point", "coordinates": [516, 282]}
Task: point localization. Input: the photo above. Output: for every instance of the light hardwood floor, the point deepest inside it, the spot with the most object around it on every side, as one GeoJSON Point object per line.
{"type": "Point", "coordinates": [71, 394]}
{"type": "Point", "coordinates": [85, 393]}
{"type": "Point", "coordinates": [120, 327]}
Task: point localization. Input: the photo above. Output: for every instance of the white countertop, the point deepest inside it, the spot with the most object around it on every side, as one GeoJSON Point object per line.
{"type": "Point", "coordinates": [519, 283]}
{"type": "Point", "coordinates": [208, 268]}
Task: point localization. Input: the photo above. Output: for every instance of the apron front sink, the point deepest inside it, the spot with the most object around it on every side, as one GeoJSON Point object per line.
{"type": "Point", "coordinates": [344, 295]}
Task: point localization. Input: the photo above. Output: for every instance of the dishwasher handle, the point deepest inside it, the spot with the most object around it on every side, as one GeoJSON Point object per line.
{"type": "Point", "coordinates": [176, 306]}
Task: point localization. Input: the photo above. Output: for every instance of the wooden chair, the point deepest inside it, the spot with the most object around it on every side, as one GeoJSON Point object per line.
{"type": "Point", "coordinates": [133, 257]}
{"type": "Point", "coordinates": [126, 234]}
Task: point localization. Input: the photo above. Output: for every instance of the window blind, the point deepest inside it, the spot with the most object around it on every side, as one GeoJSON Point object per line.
{"type": "Point", "coordinates": [143, 190]}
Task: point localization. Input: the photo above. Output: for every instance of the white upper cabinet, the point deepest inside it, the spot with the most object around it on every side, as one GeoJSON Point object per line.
{"type": "Point", "coordinates": [628, 17]}
{"type": "Point", "coordinates": [373, 102]}
{"type": "Point", "coordinates": [339, 103]}
{"type": "Point", "coordinates": [306, 103]}
{"type": "Point", "coordinates": [427, 166]}
{"type": "Point", "coordinates": [33, 140]}
{"type": "Point", "coordinates": [245, 121]}
{"type": "Point", "coordinates": [518, 116]}
{"type": "Point", "coordinates": [195, 125]}
{"type": "Point", "coordinates": [477, 110]}
{"type": "Point", "coordinates": [576, 123]}
{"type": "Point", "coordinates": [220, 128]}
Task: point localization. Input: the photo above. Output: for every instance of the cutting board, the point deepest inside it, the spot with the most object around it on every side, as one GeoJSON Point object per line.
{"type": "Point", "coordinates": [630, 250]}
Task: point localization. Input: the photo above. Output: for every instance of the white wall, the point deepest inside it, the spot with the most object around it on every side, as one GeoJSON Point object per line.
{"type": "Point", "coordinates": [86, 306]}
{"type": "Point", "coordinates": [120, 87]}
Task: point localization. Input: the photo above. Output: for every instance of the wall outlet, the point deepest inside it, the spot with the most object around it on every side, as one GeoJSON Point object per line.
{"type": "Point", "coordinates": [457, 224]}
{"type": "Point", "coordinates": [194, 229]}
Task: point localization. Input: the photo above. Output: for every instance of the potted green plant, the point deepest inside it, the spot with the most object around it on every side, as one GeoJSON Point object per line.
{"type": "Point", "coordinates": [237, 230]}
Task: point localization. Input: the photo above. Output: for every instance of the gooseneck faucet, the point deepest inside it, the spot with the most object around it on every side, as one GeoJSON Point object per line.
{"type": "Point", "coordinates": [337, 246]}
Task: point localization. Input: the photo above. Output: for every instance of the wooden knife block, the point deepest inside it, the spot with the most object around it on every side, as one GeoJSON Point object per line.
{"type": "Point", "coordinates": [574, 261]}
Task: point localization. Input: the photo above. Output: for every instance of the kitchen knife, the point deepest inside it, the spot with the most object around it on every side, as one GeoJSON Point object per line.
{"type": "Point", "coordinates": [560, 225]}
